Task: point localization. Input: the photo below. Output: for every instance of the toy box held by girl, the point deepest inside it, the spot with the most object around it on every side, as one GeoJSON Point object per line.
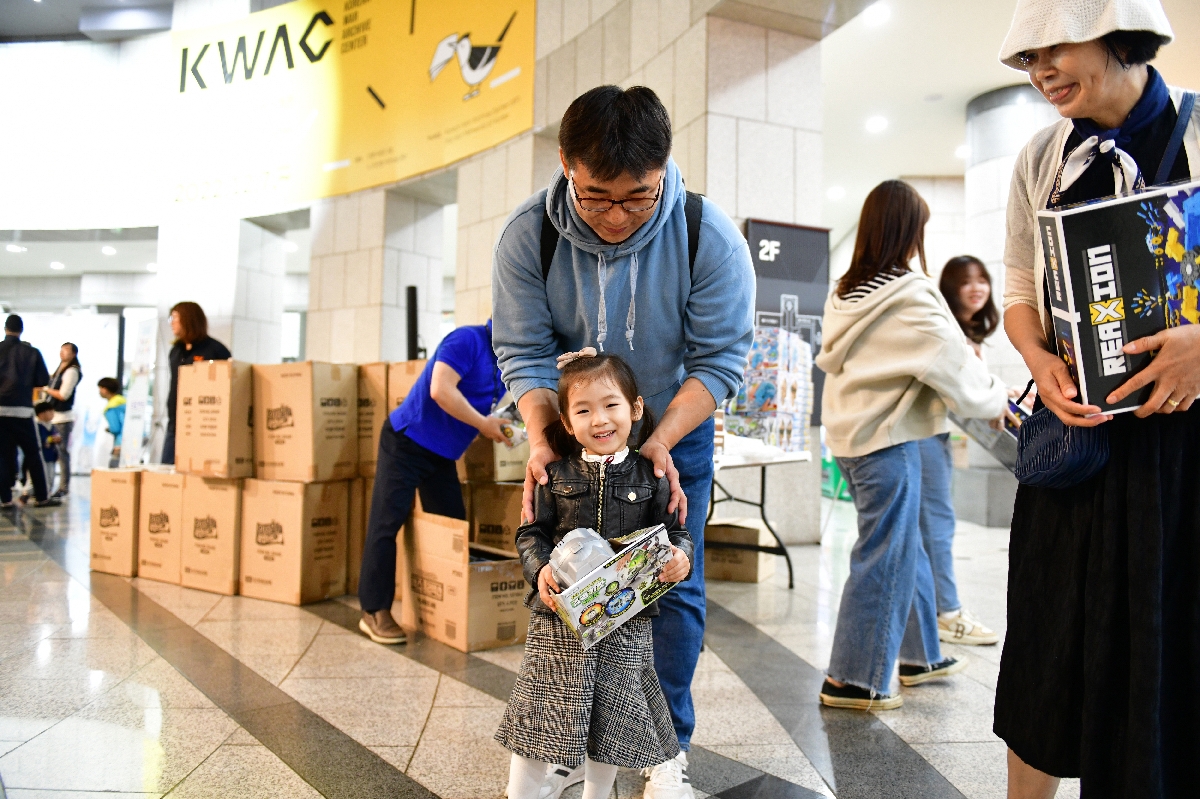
{"type": "Point", "coordinates": [617, 590]}
{"type": "Point", "coordinates": [1116, 271]}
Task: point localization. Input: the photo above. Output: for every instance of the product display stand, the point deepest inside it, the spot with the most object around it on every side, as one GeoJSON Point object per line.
{"type": "Point", "coordinates": [761, 461]}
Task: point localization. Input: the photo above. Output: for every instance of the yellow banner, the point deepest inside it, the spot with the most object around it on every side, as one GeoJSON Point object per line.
{"type": "Point", "coordinates": [317, 98]}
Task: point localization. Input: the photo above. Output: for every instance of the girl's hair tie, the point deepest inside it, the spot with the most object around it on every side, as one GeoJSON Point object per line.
{"type": "Point", "coordinates": [568, 357]}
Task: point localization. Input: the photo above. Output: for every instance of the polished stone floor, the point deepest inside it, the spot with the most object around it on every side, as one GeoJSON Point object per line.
{"type": "Point", "coordinates": [131, 688]}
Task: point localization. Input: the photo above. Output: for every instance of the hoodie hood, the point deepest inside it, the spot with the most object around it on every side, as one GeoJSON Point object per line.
{"type": "Point", "coordinates": [845, 321]}
{"type": "Point", "coordinates": [570, 226]}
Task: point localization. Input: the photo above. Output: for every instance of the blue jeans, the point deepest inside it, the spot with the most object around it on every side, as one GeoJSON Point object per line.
{"type": "Point", "coordinates": [937, 518]}
{"type": "Point", "coordinates": [888, 608]}
{"type": "Point", "coordinates": [679, 627]}
{"type": "Point", "coordinates": [403, 468]}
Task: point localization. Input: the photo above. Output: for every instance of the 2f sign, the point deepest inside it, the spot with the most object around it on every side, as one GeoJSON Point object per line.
{"type": "Point", "coordinates": [767, 250]}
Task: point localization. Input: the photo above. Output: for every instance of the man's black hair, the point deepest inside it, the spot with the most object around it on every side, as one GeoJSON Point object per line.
{"type": "Point", "coordinates": [1133, 47]}
{"type": "Point", "coordinates": [42, 407]}
{"type": "Point", "coordinates": [13, 324]}
{"type": "Point", "coordinates": [613, 131]}
{"type": "Point", "coordinates": [110, 385]}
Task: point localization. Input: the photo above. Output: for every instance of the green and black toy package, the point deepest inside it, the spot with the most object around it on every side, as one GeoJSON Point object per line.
{"type": "Point", "coordinates": [617, 590]}
{"type": "Point", "coordinates": [1119, 270]}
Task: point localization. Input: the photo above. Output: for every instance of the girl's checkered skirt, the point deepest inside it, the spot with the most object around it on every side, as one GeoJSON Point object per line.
{"type": "Point", "coordinates": [605, 703]}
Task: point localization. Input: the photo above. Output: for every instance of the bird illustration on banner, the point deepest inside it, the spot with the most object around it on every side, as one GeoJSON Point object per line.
{"type": "Point", "coordinates": [475, 62]}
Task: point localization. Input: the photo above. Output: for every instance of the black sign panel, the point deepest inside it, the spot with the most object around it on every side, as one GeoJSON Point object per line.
{"type": "Point", "coordinates": [791, 268]}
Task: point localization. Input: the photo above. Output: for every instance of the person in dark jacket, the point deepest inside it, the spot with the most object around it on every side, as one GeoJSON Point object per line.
{"type": "Point", "coordinates": [585, 713]}
{"type": "Point", "coordinates": [22, 369]}
{"type": "Point", "coordinates": [189, 325]}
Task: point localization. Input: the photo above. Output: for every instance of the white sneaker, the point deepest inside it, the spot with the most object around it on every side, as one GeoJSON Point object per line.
{"type": "Point", "coordinates": [669, 780]}
{"type": "Point", "coordinates": [961, 627]}
{"type": "Point", "coordinates": [559, 778]}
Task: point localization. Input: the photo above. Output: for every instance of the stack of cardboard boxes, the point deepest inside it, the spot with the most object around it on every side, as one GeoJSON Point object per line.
{"type": "Point", "coordinates": [271, 493]}
{"type": "Point", "coordinates": [460, 582]}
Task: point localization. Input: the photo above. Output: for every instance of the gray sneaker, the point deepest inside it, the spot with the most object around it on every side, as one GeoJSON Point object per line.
{"type": "Point", "coordinates": [381, 628]}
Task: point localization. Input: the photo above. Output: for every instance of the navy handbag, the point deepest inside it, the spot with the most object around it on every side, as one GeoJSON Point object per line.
{"type": "Point", "coordinates": [1052, 455]}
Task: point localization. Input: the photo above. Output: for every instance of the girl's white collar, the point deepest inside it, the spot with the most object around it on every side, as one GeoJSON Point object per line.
{"type": "Point", "coordinates": [617, 457]}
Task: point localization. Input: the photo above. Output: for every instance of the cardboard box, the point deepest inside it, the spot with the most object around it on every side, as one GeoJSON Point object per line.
{"type": "Point", "coordinates": [738, 565]}
{"type": "Point", "coordinates": [485, 461]}
{"type": "Point", "coordinates": [460, 595]}
{"type": "Point", "coordinates": [212, 527]}
{"type": "Point", "coordinates": [306, 421]}
{"type": "Point", "coordinates": [372, 413]}
{"type": "Point", "coordinates": [360, 509]}
{"type": "Point", "coordinates": [400, 379]}
{"type": "Point", "coordinates": [294, 540]}
{"type": "Point", "coordinates": [213, 434]}
{"type": "Point", "coordinates": [114, 528]}
{"type": "Point", "coordinates": [496, 514]}
{"type": "Point", "coordinates": [160, 525]}
{"type": "Point", "coordinates": [1119, 270]}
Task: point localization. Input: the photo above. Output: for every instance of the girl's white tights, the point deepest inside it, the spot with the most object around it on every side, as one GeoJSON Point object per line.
{"type": "Point", "coordinates": [525, 778]}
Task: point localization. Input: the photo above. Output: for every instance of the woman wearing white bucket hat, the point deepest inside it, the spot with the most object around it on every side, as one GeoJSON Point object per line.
{"type": "Point", "coordinates": [1103, 640]}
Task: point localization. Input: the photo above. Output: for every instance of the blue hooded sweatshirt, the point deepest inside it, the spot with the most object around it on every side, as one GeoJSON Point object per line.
{"type": "Point", "coordinates": [668, 322]}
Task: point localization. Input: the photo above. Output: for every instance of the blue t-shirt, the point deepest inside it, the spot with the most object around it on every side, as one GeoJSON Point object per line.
{"type": "Point", "coordinates": [468, 351]}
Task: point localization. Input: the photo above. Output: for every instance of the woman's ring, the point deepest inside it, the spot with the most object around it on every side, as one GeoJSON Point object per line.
{"type": "Point", "coordinates": [1173, 403]}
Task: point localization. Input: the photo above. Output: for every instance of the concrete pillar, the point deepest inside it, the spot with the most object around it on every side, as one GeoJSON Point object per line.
{"type": "Point", "coordinates": [367, 247]}
{"type": "Point", "coordinates": [999, 123]}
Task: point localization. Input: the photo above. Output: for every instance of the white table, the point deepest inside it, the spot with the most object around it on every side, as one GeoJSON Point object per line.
{"type": "Point", "coordinates": [761, 458]}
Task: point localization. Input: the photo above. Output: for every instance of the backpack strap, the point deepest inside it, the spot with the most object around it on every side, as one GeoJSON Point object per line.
{"type": "Point", "coordinates": [549, 243]}
{"type": "Point", "coordinates": [1172, 151]}
{"type": "Point", "coordinates": [693, 212]}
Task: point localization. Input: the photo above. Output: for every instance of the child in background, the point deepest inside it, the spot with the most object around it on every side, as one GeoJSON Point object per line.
{"type": "Point", "coordinates": [114, 414]}
{"type": "Point", "coordinates": [49, 441]}
{"type": "Point", "coordinates": [573, 714]}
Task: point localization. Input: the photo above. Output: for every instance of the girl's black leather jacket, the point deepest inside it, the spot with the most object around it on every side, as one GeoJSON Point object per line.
{"type": "Point", "coordinates": [633, 499]}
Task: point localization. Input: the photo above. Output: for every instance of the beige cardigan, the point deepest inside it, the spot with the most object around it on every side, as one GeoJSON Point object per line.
{"type": "Point", "coordinates": [894, 361]}
{"type": "Point", "coordinates": [1032, 180]}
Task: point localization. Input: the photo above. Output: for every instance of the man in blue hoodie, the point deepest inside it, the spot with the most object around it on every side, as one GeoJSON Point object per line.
{"type": "Point", "coordinates": [624, 238]}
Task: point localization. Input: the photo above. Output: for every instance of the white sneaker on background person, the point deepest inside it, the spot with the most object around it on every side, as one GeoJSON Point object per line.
{"type": "Point", "coordinates": [669, 780]}
{"type": "Point", "coordinates": [961, 627]}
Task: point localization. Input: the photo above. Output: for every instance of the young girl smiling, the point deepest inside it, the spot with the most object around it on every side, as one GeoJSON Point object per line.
{"type": "Point", "coordinates": [593, 711]}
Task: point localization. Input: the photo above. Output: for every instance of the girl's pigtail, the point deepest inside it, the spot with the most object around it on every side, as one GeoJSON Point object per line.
{"type": "Point", "coordinates": [647, 427]}
{"type": "Point", "coordinates": [562, 442]}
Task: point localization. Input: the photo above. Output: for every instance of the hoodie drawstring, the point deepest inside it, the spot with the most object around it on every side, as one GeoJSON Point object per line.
{"type": "Point", "coordinates": [602, 315]}
{"type": "Point", "coordinates": [631, 317]}
{"type": "Point", "coordinates": [602, 321]}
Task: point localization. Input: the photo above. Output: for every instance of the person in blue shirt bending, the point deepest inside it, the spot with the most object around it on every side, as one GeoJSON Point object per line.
{"type": "Point", "coordinates": [447, 407]}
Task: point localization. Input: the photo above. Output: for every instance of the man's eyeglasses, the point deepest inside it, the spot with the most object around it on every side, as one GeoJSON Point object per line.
{"type": "Point", "coordinates": [634, 205]}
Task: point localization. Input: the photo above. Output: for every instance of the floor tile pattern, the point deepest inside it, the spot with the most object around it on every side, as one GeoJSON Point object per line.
{"type": "Point", "coordinates": [131, 688]}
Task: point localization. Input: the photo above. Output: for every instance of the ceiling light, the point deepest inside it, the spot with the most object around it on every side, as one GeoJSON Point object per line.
{"type": "Point", "coordinates": [962, 151]}
{"type": "Point", "coordinates": [57, 265]}
{"type": "Point", "coordinates": [876, 124]}
{"type": "Point", "coordinates": [16, 248]}
{"type": "Point", "coordinates": [290, 246]}
{"type": "Point", "coordinates": [876, 14]}
{"type": "Point", "coordinates": [835, 193]}
{"type": "Point", "coordinates": [151, 267]}
{"type": "Point", "coordinates": [107, 250]}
